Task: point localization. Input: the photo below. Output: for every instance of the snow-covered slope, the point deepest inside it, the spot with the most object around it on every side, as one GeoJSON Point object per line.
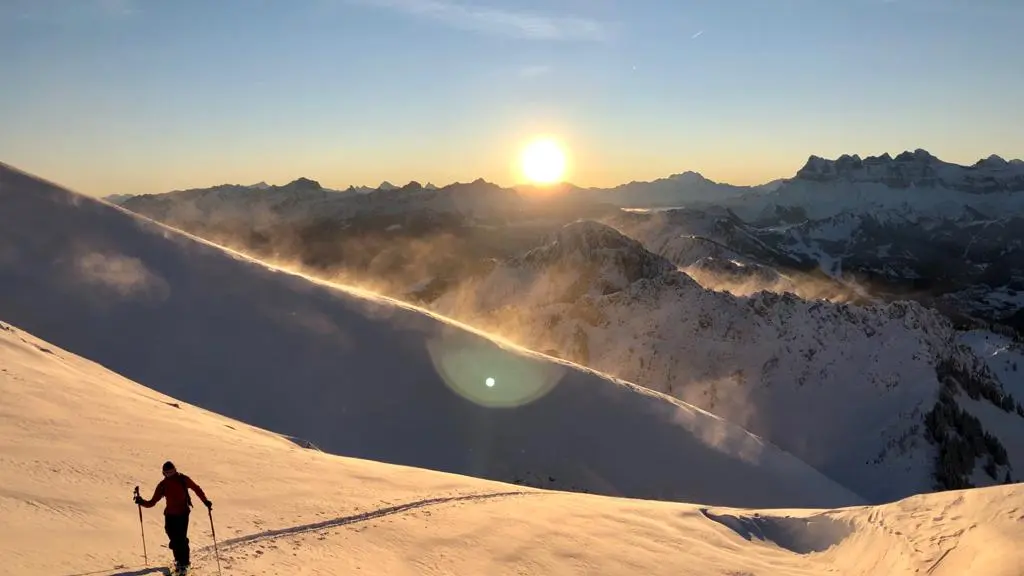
{"type": "Point", "coordinates": [1003, 354]}
{"type": "Point", "coordinates": [1005, 358]}
{"type": "Point", "coordinates": [75, 439]}
{"type": "Point", "coordinates": [355, 374]}
{"type": "Point", "coordinates": [847, 389]}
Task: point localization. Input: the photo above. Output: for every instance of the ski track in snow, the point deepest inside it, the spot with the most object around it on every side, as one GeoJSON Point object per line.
{"type": "Point", "coordinates": [356, 518]}
{"type": "Point", "coordinates": [139, 571]}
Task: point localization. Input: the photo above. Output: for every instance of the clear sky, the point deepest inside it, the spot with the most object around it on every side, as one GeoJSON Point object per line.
{"type": "Point", "coordinates": [136, 96]}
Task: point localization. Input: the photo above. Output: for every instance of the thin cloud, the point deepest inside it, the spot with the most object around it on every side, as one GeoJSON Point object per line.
{"type": "Point", "coordinates": [697, 35]}
{"type": "Point", "coordinates": [534, 71]}
{"type": "Point", "coordinates": [497, 21]}
{"type": "Point", "coordinates": [117, 8]}
{"type": "Point", "coordinates": [66, 11]}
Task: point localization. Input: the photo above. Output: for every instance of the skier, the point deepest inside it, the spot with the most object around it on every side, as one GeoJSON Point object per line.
{"type": "Point", "coordinates": [175, 487]}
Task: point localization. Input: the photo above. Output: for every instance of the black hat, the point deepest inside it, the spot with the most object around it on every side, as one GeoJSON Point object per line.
{"type": "Point", "coordinates": [168, 466]}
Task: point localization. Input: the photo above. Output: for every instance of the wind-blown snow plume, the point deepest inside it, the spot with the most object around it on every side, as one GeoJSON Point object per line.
{"type": "Point", "coordinates": [125, 276]}
{"type": "Point", "coordinates": [746, 279]}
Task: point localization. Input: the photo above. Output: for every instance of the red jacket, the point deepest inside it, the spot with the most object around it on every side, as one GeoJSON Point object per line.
{"type": "Point", "coordinates": [174, 489]}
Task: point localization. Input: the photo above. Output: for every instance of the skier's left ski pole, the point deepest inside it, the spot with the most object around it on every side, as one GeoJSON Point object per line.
{"type": "Point", "coordinates": [216, 554]}
{"type": "Point", "coordinates": [145, 555]}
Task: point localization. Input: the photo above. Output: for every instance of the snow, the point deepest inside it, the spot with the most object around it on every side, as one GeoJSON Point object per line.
{"type": "Point", "coordinates": [365, 376]}
{"type": "Point", "coordinates": [1002, 354]}
{"type": "Point", "coordinates": [76, 438]}
{"type": "Point", "coordinates": [1005, 358]}
{"type": "Point", "coordinates": [357, 374]}
{"type": "Point", "coordinates": [1005, 298]}
{"type": "Point", "coordinates": [836, 229]}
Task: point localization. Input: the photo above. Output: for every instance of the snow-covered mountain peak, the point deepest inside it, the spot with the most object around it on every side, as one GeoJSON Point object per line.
{"type": "Point", "coordinates": [916, 169]}
{"type": "Point", "coordinates": [918, 155]}
{"type": "Point", "coordinates": [996, 162]}
{"type": "Point", "coordinates": [608, 258]}
{"type": "Point", "coordinates": [590, 237]}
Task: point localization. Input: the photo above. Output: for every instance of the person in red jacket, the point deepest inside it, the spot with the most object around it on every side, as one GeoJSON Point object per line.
{"type": "Point", "coordinates": [174, 487]}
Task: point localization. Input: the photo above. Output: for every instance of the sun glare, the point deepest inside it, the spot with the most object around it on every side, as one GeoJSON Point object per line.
{"type": "Point", "coordinates": [543, 162]}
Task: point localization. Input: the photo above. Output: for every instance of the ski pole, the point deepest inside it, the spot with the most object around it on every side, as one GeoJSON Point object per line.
{"type": "Point", "coordinates": [213, 531]}
{"type": "Point", "coordinates": [145, 555]}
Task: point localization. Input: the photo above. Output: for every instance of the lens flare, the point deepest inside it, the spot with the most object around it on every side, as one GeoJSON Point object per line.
{"type": "Point", "coordinates": [465, 361]}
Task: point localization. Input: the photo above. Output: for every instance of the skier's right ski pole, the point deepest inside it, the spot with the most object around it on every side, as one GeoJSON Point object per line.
{"type": "Point", "coordinates": [145, 555]}
{"type": "Point", "coordinates": [213, 531]}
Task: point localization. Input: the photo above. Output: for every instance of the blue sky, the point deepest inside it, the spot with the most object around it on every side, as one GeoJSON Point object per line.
{"type": "Point", "coordinates": [135, 96]}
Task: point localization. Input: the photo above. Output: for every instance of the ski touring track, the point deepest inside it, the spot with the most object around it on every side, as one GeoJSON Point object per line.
{"type": "Point", "coordinates": [206, 552]}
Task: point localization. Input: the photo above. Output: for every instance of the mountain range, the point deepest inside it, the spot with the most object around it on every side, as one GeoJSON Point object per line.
{"type": "Point", "coordinates": [881, 225]}
{"type": "Point", "coordinates": [701, 356]}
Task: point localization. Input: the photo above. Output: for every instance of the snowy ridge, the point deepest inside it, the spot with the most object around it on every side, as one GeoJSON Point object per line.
{"type": "Point", "coordinates": [476, 197]}
{"type": "Point", "coordinates": [861, 378]}
{"type": "Point", "coordinates": [75, 438]}
{"type": "Point", "coordinates": [674, 191]}
{"type": "Point", "coordinates": [908, 187]}
{"type": "Point", "coordinates": [305, 201]}
{"type": "Point", "coordinates": [357, 374]}
{"type": "Point", "coordinates": [686, 236]}
{"type": "Point", "coordinates": [919, 169]}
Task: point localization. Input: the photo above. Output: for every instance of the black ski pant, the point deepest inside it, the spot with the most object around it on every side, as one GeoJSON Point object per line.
{"type": "Point", "coordinates": [176, 527]}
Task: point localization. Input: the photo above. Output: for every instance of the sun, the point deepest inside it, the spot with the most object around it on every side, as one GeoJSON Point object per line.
{"type": "Point", "coordinates": [543, 162]}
